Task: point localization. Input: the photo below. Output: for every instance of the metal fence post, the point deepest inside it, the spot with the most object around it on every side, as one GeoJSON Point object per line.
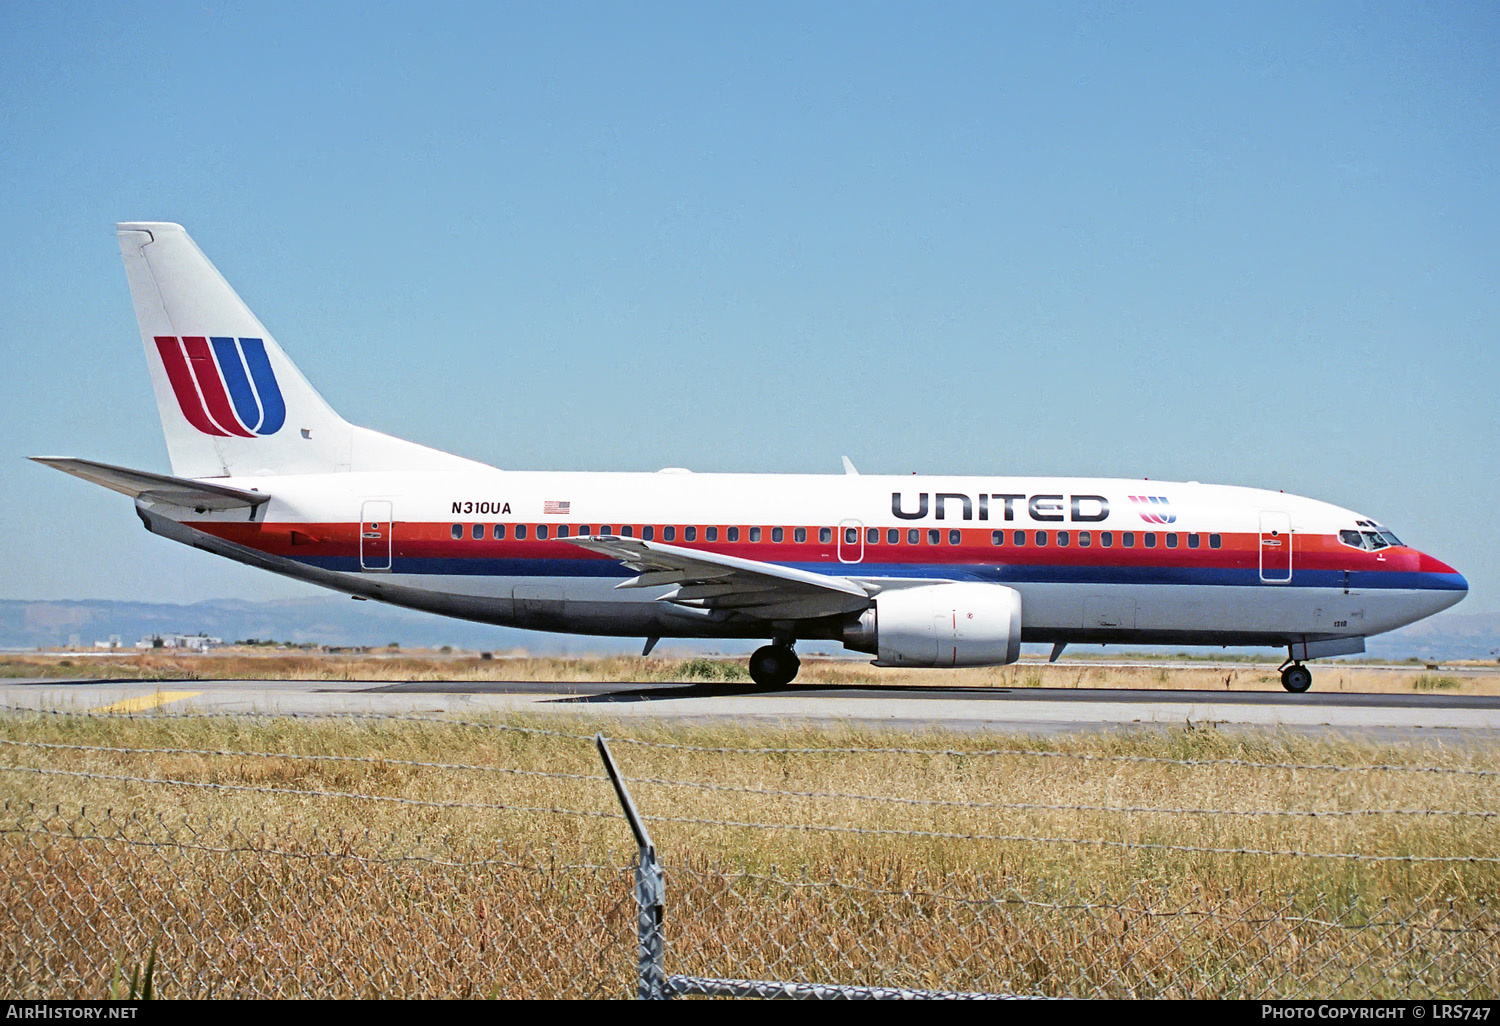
{"type": "Point", "coordinates": [650, 893]}
{"type": "Point", "coordinates": [651, 945]}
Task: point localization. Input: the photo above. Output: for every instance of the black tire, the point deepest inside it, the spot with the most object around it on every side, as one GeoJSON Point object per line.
{"type": "Point", "coordinates": [1296, 679]}
{"type": "Point", "coordinates": [773, 666]}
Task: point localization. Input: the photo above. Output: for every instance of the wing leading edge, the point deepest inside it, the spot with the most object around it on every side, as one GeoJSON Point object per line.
{"type": "Point", "coordinates": [748, 587]}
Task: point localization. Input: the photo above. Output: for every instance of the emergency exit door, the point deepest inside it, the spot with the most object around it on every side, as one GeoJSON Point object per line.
{"type": "Point", "coordinates": [375, 535]}
{"type": "Point", "coordinates": [851, 541]}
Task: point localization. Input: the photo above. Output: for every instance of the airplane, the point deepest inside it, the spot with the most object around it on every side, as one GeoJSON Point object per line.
{"type": "Point", "coordinates": [918, 571]}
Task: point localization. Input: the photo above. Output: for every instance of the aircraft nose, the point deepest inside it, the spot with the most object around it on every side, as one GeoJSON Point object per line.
{"type": "Point", "coordinates": [1432, 565]}
{"type": "Point", "coordinates": [1452, 586]}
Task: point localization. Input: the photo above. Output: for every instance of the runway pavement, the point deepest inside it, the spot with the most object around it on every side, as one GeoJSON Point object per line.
{"type": "Point", "coordinates": [1024, 710]}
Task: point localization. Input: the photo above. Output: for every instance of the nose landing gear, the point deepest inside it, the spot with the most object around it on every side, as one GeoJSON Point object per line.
{"type": "Point", "coordinates": [1296, 678]}
{"type": "Point", "coordinates": [774, 666]}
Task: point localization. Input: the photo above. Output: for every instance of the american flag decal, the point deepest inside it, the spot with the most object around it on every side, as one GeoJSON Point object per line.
{"type": "Point", "coordinates": [553, 508]}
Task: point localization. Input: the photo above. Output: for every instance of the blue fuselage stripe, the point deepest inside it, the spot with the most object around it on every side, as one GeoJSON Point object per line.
{"type": "Point", "coordinates": [1012, 574]}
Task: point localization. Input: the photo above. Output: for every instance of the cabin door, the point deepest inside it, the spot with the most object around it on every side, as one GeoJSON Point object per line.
{"type": "Point", "coordinates": [375, 535]}
{"type": "Point", "coordinates": [1275, 547]}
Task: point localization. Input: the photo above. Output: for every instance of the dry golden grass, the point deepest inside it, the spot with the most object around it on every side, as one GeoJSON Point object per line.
{"type": "Point", "coordinates": [252, 664]}
{"type": "Point", "coordinates": [267, 892]}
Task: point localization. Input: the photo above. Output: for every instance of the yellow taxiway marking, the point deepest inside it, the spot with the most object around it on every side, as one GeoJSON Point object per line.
{"type": "Point", "coordinates": [144, 702]}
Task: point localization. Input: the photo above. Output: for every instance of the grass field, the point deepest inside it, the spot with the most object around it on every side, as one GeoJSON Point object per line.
{"type": "Point", "coordinates": [412, 858]}
{"type": "Point", "coordinates": [1475, 679]}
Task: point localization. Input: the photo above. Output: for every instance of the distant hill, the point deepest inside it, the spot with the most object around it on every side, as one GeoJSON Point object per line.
{"type": "Point", "coordinates": [335, 620]}
{"type": "Point", "coordinates": [1445, 636]}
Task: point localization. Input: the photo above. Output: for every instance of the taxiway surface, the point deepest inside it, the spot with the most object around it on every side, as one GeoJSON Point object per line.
{"type": "Point", "coordinates": [1024, 710]}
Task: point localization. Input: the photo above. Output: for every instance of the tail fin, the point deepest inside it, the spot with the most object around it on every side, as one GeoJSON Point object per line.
{"type": "Point", "coordinates": [232, 404]}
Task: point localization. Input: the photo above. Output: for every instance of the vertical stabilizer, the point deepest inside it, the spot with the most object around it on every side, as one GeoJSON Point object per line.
{"type": "Point", "coordinates": [232, 404]}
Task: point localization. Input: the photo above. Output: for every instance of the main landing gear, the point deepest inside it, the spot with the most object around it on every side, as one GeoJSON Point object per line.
{"type": "Point", "coordinates": [1296, 678]}
{"type": "Point", "coordinates": [774, 666]}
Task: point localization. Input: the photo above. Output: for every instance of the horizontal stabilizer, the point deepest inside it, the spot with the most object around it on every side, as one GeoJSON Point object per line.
{"type": "Point", "coordinates": [179, 491]}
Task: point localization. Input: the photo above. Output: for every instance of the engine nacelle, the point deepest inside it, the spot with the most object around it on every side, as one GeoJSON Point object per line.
{"type": "Point", "coordinates": [941, 625]}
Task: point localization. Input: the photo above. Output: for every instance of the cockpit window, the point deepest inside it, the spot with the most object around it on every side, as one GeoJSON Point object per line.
{"type": "Point", "coordinates": [1372, 537]}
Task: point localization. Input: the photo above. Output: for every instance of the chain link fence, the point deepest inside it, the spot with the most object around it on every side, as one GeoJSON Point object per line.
{"type": "Point", "coordinates": [235, 911]}
{"type": "Point", "coordinates": [423, 857]}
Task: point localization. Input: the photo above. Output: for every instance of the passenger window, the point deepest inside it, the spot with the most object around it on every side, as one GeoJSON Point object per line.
{"type": "Point", "coordinates": [913, 536]}
{"type": "Point", "coordinates": [668, 534]}
{"type": "Point", "coordinates": [477, 532]}
{"type": "Point", "coordinates": [1085, 539]}
{"type": "Point", "coordinates": [825, 535]}
{"type": "Point", "coordinates": [934, 536]}
{"type": "Point", "coordinates": [1107, 539]}
{"type": "Point", "coordinates": [648, 532]}
{"type": "Point", "coordinates": [1041, 537]}
{"type": "Point", "coordinates": [733, 534]}
{"type": "Point", "coordinates": [1214, 541]}
{"type": "Point", "coordinates": [1128, 539]}
{"type": "Point", "coordinates": [777, 534]}
{"type": "Point", "coordinates": [689, 534]}
{"type": "Point", "coordinates": [755, 534]}
{"type": "Point", "coordinates": [541, 532]}
{"type": "Point", "coordinates": [520, 532]}
{"type": "Point", "coordinates": [583, 529]}
{"type": "Point", "coordinates": [603, 529]}
{"type": "Point", "coordinates": [710, 534]}
{"type": "Point", "coordinates": [627, 531]}
{"type": "Point", "coordinates": [458, 531]}
{"type": "Point", "coordinates": [997, 537]}
{"type": "Point", "coordinates": [1062, 537]}
{"type": "Point", "coordinates": [872, 536]}
{"type": "Point", "coordinates": [1192, 541]}
{"type": "Point", "coordinates": [562, 530]}
{"type": "Point", "coordinates": [1019, 538]}
{"type": "Point", "coordinates": [499, 532]}
{"type": "Point", "coordinates": [893, 536]}
{"type": "Point", "coordinates": [1172, 540]}
{"type": "Point", "coordinates": [1150, 540]}
{"type": "Point", "coordinates": [954, 538]}
{"type": "Point", "coordinates": [851, 536]}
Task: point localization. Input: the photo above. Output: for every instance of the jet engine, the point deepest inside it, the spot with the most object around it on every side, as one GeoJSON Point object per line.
{"type": "Point", "coordinates": [941, 625]}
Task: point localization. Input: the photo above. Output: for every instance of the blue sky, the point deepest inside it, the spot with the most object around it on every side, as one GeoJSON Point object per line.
{"type": "Point", "coordinates": [1253, 245]}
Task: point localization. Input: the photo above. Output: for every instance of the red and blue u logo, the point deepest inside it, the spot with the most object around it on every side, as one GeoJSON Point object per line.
{"type": "Point", "coordinates": [224, 385]}
{"type": "Point", "coordinates": [1154, 509]}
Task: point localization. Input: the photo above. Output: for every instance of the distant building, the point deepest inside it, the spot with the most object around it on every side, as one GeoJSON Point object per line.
{"type": "Point", "coordinates": [180, 642]}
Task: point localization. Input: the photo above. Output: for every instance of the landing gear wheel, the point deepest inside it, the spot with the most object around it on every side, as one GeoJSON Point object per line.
{"type": "Point", "coordinates": [773, 666]}
{"type": "Point", "coordinates": [1296, 679]}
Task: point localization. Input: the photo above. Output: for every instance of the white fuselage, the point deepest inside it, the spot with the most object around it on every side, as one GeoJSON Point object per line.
{"type": "Point", "coordinates": [1093, 559]}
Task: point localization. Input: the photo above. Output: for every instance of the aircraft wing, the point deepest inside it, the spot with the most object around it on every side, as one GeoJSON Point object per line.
{"type": "Point", "coordinates": [179, 491]}
{"type": "Point", "coordinates": [749, 587]}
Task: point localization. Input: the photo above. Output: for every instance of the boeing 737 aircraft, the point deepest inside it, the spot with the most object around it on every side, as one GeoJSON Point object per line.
{"type": "Point", "coordinates": [917, 571]}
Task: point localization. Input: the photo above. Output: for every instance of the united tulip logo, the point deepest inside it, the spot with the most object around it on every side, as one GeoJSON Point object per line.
{"type": "Point", "coordinates": [1154, 509]}
{"type": "Point", "coordinates": [224, 385]}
